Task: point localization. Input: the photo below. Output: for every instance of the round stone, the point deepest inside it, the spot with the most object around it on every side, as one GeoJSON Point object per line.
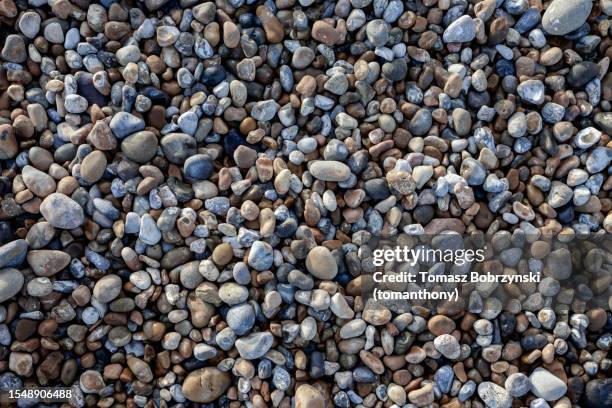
{"type": "Point", "coordinates": [178, 147]}
{"type": "Point", "coordinates": [198, 167]}
{"type": "Point", "coordinates": [93, 166]}
{"type": "Point", "coordinates": [107, 288]}
{"type": "Point", "coordinates": [321, 263]}
{"type": "Point", "coordinates": [140, 146]}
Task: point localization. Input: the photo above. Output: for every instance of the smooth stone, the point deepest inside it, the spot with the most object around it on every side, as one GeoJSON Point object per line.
{"type": "Point", "coordinates": [330, 170]}
{"type": "Point", "coordinates": [38, 182]}
{"type": "Point", "coordinates": [11, 282]}
{"type": "Point", "coordinates": [107, 288]}
{"type": "Point", "coordinates": [206, 384]}
{"type": "Point", "coordinates": [241, 318]}
{"type": "Point", "coordinates": [564, 16]}
{"type": "Point", "coordinates": [517, 385]}
{"type": "Point", "coordinates": [124, 124]}
{"type": "Point", "coordinates": [546, 385]}
{"type": "Point", "coordinates": [178, 147]}
{"type": "Point", "coordinates": [559, 194]}
{"type": "Point", "coordinates": [13, 253]}
{"type": "Point", "coordinates": [448, 346]}
{"type": "Point", "coordinates": [140, 146]}
{"type": "Point", "coordinates": [461, 30]}
{"type": "Point", "coordinates": [532, 91]}
{"type": "Point", "coordinates": [198, 167]}
{"type": "Point", "coordinates": [93, 166]}
{"type": "Point", "coordinates": [47, 262]}
{"type": "Point", "coordinates": [62, 212]}
{"type": "Point", "coordinates": [321, 263]}
{"type": "Point", "coordinates": [255, 345]}
{"type": "Point", "coordinates": [597, 394]}
{"type": "Point", "coordinates": [307, 396]}
{"type": "Point", "coordinates": [261, 256]}
{"type": "Point", "coordinates": [8, 143]}
{"type": "Point", "coordinates": [264, 111]}
{"type": "Point", "coordinates": [14, 49]}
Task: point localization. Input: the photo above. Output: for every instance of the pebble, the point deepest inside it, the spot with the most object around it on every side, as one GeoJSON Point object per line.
{"type": "Point", "coordinates": [11, 282]}
{"type": "Point", "coordinates": [562, 17]}
{"type": "Point", "coordinates": [62, 212]}
{"type": "Point", "coordinates": [140, 147]}
{"type": "Point", "coordinates": [255, 345]}
{"type": "Point", "coordinates": [321, 264]}
{"type": "Point", "coordinates": [461, 30]}
{"type": "Point", "coordinates": [494, 396]}
{"type": "Point", "coordinates": [546, 385]}
{"type": "Point", "coordinates": [205, 384]}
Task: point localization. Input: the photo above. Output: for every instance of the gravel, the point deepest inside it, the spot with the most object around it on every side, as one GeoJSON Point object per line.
{"type": "Point", "coordinates": [193, 197]}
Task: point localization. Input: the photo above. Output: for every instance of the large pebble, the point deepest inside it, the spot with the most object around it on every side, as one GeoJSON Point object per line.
{"type": "Point", "coordinates": [206, 384]}
{"type": "Point", "coordinates": [564, 16]}
{"type": "Point", "coordinates": [62, 212]}
{"type": "Point", "coordinates": [11, 282]}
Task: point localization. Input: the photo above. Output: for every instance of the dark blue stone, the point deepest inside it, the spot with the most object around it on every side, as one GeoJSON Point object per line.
{"type": "Point", "coordinates": [565, 214]}
{"type": "Point", "coordinates": [198, 167]}
{"type": "Point", "coordinates": [5, 185]}
{"type": "Point", "coordinates": [507, 323]}
{"type": "Point", "coordinates": [157, 96]}
{"type": "Point", "coordinates": [317, 369]}
{"type": "Point", "coordinates": [287, 228]}
{"type": "Point", "coordinates": [534, 341]}
{"type": "Point", "coordinates": [343, 279]}
{"type": "Point", "coordinates": [377, 188]}
{"type": "Point", "coordinates": [528, 20]}
{"type": "Point", "coordinates": [504, 67]}
{"type": "Point", "coordinates": [598, 394]}
{"type": "Point", "coordinates": [231, 142]}
{"type": "Point", "coordinates": [358, 161]}
{"type": "Point", "coordinates": [5, 232]}
{"type": "Point", "coordinates": [86, 89]}
{"type": "Point", "coordinates": [213, 75]}
{"type": "Point", "coordinates": [247, 20]}
{"type": "Point", "coordinates": [107, 58]}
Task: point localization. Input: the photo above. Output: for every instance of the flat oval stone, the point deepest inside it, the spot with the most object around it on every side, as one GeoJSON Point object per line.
{"type": "Point", "coordinates": [38, 182]}
{"type": "Point", "coordinates": [107, 288]}
{"type": "Point", "coordinates": [321, 264]}
{"type": "Point", "coordinates": [330, 170]}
